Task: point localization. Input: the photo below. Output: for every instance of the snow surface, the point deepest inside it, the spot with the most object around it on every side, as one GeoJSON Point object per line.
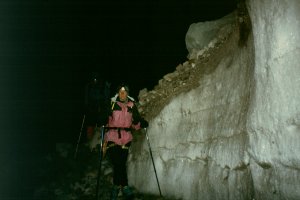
{"type": "Point", "coordinates": [235, 136]}
{"type": "Point", "coordinates": [202, 35]}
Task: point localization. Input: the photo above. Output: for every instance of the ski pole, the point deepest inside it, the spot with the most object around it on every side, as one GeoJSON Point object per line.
{"type": "Point", "coordinates": [75, 154]}
{"type": "Point", "coordinates": [100, 160]}
{"type": "Point", "coordinates": [152, 160]}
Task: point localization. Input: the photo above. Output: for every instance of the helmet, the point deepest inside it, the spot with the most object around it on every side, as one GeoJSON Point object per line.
{"type": "Point", "coordinates": [123, 87]}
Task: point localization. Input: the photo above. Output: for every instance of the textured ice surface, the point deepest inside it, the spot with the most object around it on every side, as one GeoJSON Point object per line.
{"type": "Point", "coordinates": [235, 136]}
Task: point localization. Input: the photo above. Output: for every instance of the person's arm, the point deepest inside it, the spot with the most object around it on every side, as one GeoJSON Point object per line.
{"type": "Point", "coordinates": [137, 119]}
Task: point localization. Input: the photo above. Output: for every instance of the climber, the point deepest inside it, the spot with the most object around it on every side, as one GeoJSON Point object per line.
{"type": "Point", "coordinates": [97, 98]}
{"type": "Point", "coordinates": [124, 117]}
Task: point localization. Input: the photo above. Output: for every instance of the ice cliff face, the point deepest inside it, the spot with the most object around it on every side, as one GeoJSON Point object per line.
{"type": "Point", "coordinates": [226, 124]}
{"type": "Point", "coordinates": [273, 122]}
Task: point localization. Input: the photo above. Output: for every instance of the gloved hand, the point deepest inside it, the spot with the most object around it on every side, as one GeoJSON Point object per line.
{"type": "Point", "coordinates": [144, 123]}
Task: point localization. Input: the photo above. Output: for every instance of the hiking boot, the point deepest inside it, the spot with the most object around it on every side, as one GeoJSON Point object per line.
{"type": "Point", "coordinates": [127, 193]}
{"type": "Point", "coordinates": [115, 192]}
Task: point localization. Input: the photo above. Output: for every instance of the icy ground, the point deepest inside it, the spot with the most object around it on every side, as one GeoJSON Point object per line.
{"type": "Point", "coordinates": [66, 178]}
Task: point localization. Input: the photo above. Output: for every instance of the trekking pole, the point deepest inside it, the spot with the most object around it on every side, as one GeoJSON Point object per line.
{"type": "Point", "coordinates": [152, 160]}
{"type": "Point", "coordinates": [100, 160]}
{"type": "Point", "coordinates": [75, 154]}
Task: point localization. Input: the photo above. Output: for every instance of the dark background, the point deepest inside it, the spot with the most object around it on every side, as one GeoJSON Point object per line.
{"type": "Point", "coordinates": [48, 49]}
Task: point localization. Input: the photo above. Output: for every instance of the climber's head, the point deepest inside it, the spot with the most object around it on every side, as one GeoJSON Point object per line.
{"type": "Point", "coordinates": [123, 92]}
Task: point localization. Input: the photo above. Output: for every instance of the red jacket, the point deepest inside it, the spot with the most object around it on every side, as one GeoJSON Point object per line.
{"type": "Point", "coordinates": [124, 117]}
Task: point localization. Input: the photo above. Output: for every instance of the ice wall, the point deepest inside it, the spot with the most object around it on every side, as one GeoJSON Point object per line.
{"type": "Point", "coordinates": [236, 135]}
{"type": "Point", "coordinates": [199, 139]}
{"type": "Point", "coordinates": [273, 124]}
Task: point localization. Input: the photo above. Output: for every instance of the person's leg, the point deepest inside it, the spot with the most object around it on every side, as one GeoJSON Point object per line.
{"type": "Point", "coordinates": [118, 157]}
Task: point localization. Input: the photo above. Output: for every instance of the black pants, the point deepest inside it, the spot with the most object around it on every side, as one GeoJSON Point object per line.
{"type": "Point", "coordinates": [118, 156]}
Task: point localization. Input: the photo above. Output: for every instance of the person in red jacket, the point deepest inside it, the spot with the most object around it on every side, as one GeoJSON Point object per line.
{"type": "Point", "coordinates": [123, 118]}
